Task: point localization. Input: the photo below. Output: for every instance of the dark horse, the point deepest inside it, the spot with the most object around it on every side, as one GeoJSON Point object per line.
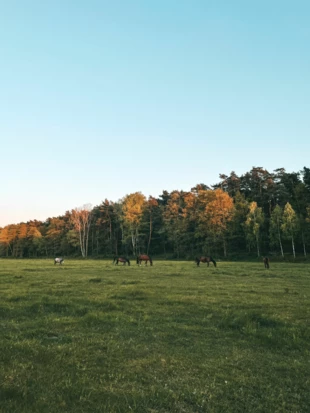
{"type": "Point", "coordinates": [205, 259]}
{"type": "Point", "coordinates": [116, 260]}
{"type": "Point", "coordinates": [145, 258]}
{"type": "Point", "coordinates": [266, 262]}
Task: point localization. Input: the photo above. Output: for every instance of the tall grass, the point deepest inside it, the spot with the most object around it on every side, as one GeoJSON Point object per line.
{"type": "Point", "coordinates": [92, 337]}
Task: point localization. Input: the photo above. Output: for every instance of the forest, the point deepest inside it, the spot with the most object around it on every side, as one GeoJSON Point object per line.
{"type": "Point", "coordinates": [255, 214]}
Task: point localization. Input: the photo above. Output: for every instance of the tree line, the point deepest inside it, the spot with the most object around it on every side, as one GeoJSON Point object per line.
{"type": "Point", "coordinates": [257, 213]}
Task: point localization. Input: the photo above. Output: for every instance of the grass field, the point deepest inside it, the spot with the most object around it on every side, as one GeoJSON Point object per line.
{"type": "Point", "coordinates": [93, 337]}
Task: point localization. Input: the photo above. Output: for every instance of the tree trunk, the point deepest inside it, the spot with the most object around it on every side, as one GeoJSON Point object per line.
{"type": "Point", "coordinates": [81, 243]}
{"type": "Point", "coordinates": [225, 248]}
{"type": "Point", "coordinates": [116, 242]}
{"type": "Point", "coordinates": [280, 243]}
{"type": "Point", "coordinates": [293, 246]}
{"type": "Point", "coordinates": [304, 243]}
{"type": "Point", "coordinates": [133, 241]}
{"type": "Point", "coordinates": [84, 240]}
{"type": "Point", "coordinates": [111, 237]}
{"type": "Point", "coordinates": [92, 242]}
{"type": "Point", "coordinates": [257, 243]}
{"type": "Point", "coordinates": [150, 236]}
{"type": "Point", "coordinates": [97, 242]}
{"type": "Point", "coordinates": [87, 236]}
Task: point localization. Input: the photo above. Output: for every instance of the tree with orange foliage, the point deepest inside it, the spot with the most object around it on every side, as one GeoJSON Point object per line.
{"type": "Point", "coordinates": [13, 236]}
{"type": "Point", "coordinates": [21, 242]}
{"type": "Point", "coordinates": [133, 206]}
{"type": "Point", "coordinates": [35, 239]}
{"type": "Point", "coordinates": [5, 240]}
{"type": "Point", "coordinates": [217, 214]}
{"type": "Point", "coordinates": [56, 231]}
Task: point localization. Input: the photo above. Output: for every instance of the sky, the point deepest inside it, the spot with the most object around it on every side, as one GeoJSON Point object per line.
{"type": "Point", "coordinates": [99, 99]}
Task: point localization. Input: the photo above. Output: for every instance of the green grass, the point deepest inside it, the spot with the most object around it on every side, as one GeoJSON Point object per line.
{"type": "Point", "coordinates": [93, 337]}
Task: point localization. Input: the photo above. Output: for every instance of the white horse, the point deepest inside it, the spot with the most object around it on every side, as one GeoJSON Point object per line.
{"type": "Point", "coordinates": [59, 261]}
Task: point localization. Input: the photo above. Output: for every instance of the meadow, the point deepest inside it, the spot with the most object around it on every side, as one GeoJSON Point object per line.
{"type": "Point", "coordinates": [92, 337]}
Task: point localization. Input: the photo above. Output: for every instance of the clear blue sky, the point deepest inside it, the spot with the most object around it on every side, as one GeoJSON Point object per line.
{"type": "Point", "coordinates": [99, 99]}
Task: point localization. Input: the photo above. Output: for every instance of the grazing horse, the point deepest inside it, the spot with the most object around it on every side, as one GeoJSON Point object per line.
{"type": "Point", "coordinates": [145, 258]}
{"type": "Point", "coordinates": [116, 260]}
{"type": "Point", "coordinates": [59, 261]}
{"type": "Point", "coordinates": [205, 259]}
{"type": "Point", "coordinates": [266, 262]}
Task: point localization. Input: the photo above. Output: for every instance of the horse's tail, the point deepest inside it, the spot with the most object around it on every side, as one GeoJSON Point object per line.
{"type": "Point", "coordinates": [137, 260]}
{"type": "Point", "coordinates": [212, 260]}
{"type": "Point", "coordinates": [197, 261]}
{"type": "Point", "coordinates": [128, 261]}
{"type": "Point", "coordinates": [114, 259]}
{"type": "Point", "coordinates": [151, 261]}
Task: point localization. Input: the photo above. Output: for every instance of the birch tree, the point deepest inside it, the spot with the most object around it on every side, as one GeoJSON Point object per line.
{"type": "Point", "coordinates": [290, 225]}
{"type": "Point", "coordinates": [81, 218]}
{"type": "Point", "coordinates": [253, 223]}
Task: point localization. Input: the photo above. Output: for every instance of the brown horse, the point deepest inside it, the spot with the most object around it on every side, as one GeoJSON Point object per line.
{"type": "Point", "coordinates": [116, 260]}
{"type": "Point", "coordinates": [266, 262]}
{"type": "Point", "coordinates": [145, 258]}
{"type": "Point", "coordinates": [205, 259]}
